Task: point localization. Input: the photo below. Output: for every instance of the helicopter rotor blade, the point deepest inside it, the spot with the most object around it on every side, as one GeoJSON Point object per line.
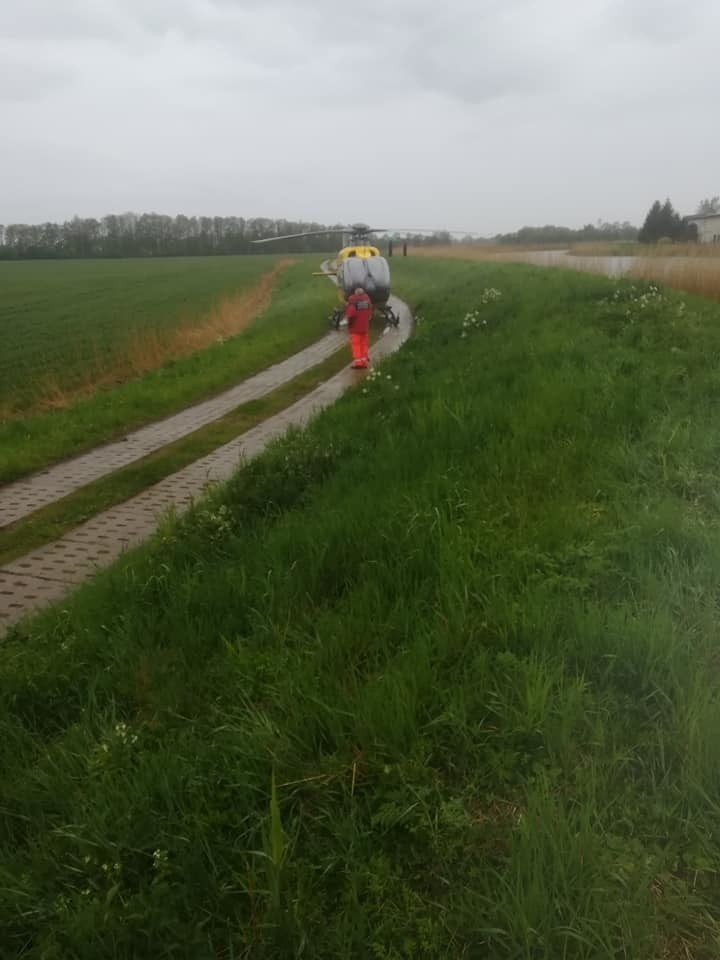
{"type": "Point", "coordinates": [358, 231]}
{"type": "Point", "coordinates": [295, 236]}
{"type": "Point", "coordinates": [414, 230]}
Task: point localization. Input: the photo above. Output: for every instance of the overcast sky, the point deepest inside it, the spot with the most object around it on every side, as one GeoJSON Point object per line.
{"type": "Point", "coordinates": [478, 115]}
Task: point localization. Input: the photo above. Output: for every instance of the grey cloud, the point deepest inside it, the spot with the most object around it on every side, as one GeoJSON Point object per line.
{"type": "Point", "coordinates": [243, 106]}
{"type": "Point", "coordinates": [664, 22]}
{"type": "Point", "coordinates": [20, 82]}
{"type": "Point", "coordinates": [49, 20]}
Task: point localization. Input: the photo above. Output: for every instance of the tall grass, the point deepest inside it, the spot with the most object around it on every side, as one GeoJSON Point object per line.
{"type": "Point", "coordinates": [693, 274]}
{"type": "Point", "coordinates": [436, 678]}
{"type": "Point", "coordinates": [624, 248]}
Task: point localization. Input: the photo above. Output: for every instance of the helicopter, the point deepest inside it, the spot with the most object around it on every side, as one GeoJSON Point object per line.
{"type": "Point", "coordinates": [357, 264]}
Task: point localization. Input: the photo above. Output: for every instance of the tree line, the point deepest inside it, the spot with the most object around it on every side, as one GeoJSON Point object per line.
{"type": "Point", "coordinates": [157, 235]}
{"type": "Point", "coordinates": [566, 235]}
{"type": "Point", "coordinates": [662, 223]}
{"type": "Point", "coordinates": [153, 235]}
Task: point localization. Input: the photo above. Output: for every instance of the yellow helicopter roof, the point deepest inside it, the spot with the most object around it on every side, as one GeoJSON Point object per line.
{"type": "Point", "coordinates": [358, 250]}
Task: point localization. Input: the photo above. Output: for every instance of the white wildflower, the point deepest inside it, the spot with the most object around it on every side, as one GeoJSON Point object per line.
{"type": "Point", "coordinates": [159, 859]}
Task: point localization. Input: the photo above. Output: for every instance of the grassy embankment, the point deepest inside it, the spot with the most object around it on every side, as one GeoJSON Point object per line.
{"type": "Point", "coordinates": [96, 348]}
{"type": "Point", "coordinates": [690, 268]}
{"type": "Point", "coordinates": [436, 678]}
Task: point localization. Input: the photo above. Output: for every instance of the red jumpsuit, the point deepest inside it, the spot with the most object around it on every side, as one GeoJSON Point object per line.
{"type": "Point", "coordinates": [357, 313]}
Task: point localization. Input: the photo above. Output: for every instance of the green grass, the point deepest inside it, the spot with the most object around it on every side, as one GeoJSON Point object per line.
{"type": "Point", "coordinates": [58, 317]}
{"type": "Point", "coordinates": [296, 317]}
{"type": "Point", "coordinates": [435, 678]}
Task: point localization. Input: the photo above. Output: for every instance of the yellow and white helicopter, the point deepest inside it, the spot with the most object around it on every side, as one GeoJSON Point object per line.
{"type": "Point", "coordinates": [358, 263]}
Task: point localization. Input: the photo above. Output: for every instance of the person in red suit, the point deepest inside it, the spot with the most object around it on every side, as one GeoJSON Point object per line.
{"type": "Point", "coordinates": [357, 313]}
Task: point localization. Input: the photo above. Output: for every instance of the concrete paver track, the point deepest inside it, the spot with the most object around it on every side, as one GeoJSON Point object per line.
{"type": "Point", "coordinates": [23, 497]}
{"type": "Point", "coordinates": [47, 574]}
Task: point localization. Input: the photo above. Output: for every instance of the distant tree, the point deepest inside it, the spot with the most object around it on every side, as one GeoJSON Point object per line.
{"type": "Point", "coordinates": [663, 222]}
{"type": "Point", "coordinates": [652, 229]}
{"type": "Point", "coordinates": [563, 236]}
{"type": "Point", "coordinates": [709, 205]}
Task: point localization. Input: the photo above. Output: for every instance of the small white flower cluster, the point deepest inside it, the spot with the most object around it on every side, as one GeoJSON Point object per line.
{"type": "Point", "coordinates": [472, 319]}
{"type": "Point", "coordinates": [111, 872]}
{"type": "Point", "coordinates": [160, 859]}
{"type": "Point", "coordinates": [636, 302]}
{"type": "Point", "coordinates": [218, 522]}
{"type": "Point", "coordinates": [640, 302]}
{"type": "Point", "coordinates": [123, 734]}
{"type": "Point", "coordinates": [490, 295]}
{"type": "Point", "coordinates": [377, 376]}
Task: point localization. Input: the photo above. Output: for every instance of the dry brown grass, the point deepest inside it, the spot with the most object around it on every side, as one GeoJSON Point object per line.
{"type": "Point", "coordinates": [663, 251]}
{"type": "Point", "coordinates": [148, 350]}
{"type": "Point", "coordinates": [676, 948]}
{"type": "Point", "coordinates": [691, 275]}
{"type": "Point", "coordinates": [502, 252]}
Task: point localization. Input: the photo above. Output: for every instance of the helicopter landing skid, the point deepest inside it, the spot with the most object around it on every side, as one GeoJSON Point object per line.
{"type": "Point", "coordinates": [389, 316]}
{"type": "Point", "coordinates": [336, 317]}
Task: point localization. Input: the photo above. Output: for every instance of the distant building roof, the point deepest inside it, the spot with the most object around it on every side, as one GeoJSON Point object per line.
{"type": "Point", "coordinates": [701, 216]}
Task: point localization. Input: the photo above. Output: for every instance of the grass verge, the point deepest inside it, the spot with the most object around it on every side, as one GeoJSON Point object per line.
{"type": "Point", "coordinates": [433, 678]}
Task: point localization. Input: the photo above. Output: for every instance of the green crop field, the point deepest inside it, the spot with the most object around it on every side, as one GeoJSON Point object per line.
{"type": "Point", "coordinates": [56, 316]}
{"type": "Point", "coordinates": [435, 678]}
